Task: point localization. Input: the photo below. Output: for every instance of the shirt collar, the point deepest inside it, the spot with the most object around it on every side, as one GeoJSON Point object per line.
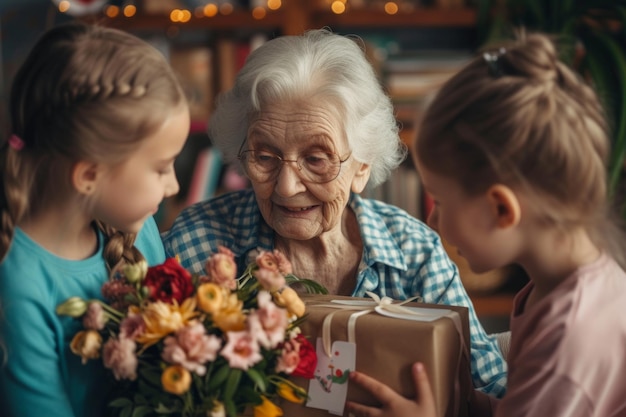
{"type": "Point", "coordinates": [379, 244]}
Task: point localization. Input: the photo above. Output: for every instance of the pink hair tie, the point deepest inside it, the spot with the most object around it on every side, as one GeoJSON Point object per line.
{"type": "Point", "coordinates": [16, 142]}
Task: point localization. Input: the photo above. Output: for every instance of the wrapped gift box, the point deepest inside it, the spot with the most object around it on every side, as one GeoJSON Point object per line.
{"type": "Point", "coordinates": [386, 347]}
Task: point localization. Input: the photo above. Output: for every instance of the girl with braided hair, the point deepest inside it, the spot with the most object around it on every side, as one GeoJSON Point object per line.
{"type": "Point", "coordinates": [97, 119]}
{"type": "Point", "coordinates": [514, 151]}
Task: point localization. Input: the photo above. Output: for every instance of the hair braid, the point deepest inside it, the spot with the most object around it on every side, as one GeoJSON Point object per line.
{"type": "Point", "coordinates": [13, 195]}
{"type": "Point", "coordinates": [119, 247]}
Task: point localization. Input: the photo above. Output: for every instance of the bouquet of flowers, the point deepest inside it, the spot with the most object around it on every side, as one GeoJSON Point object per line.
{"type": "Point", "coordinates": [211, 345]}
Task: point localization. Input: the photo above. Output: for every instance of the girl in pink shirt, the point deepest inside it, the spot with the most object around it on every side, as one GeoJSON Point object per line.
{"type": "Point", "coordinates": [514, 151]}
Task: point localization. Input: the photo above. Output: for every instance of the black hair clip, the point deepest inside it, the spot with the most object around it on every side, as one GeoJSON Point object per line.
{"type": "Point", "coordinates": [493, 63]}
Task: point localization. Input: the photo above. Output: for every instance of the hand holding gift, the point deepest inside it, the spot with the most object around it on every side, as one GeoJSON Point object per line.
{"type": "Point", "coordinates": [392, 403]}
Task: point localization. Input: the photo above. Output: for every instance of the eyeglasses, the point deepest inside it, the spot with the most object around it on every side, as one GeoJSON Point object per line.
{"type": "Point", "coordinates": [316, 167]}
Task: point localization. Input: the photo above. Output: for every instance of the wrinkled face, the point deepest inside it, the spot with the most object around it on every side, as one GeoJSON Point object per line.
{"type": "Point", "coordinates": [295, 207]}
{"type": "Point", "coordinates": [131, 192]}
{"type": "Point", "coordinates": [463, 221]}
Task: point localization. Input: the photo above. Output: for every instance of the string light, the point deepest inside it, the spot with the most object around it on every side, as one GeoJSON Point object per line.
{"type": "Point", "coordinates": [129, 10]}
{"type": "Point", "coordinates": [274, 4]}
{"type": "Point", "coordinates": [112, 11]}
{"type": "Point", "coordinates": [338, 6]}
{"type": "Point", "coordinates": [210, 10]}
{"type": "Point", "coordinates": [64, 6]}
{"type": "Point", "coordinates": [226, 8]}
{"type": "Point", "coordinates": [259, 12]}
{"type": "Point", "coordinates": [391, 7]}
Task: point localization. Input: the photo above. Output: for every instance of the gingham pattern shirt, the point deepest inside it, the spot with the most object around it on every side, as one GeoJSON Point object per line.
{"type": "Point", "coordinates": [402, 258]}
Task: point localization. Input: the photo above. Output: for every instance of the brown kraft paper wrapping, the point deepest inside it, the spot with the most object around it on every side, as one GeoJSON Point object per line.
{"type": "Point", "coordinates": [386, 349]}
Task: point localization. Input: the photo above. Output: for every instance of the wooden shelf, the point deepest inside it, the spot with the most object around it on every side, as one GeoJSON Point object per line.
{"type": "Point", "coordinates": [293, 19]}
{"type": "Point", "coordinates": [240, 19]}
{"type": "Point", "coordinates": [425, 17]}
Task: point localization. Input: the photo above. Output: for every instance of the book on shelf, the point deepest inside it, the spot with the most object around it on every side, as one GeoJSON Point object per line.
{"type": "Point", "coordinates": [206, 175]}
{"type": "Point", "coordinates": [194, 67]}
{"type": "Point", "coordinates": [421, 73]}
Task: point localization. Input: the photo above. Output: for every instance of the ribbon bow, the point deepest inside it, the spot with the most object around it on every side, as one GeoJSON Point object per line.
{"type": "Point", "coordinates": [383, 306]}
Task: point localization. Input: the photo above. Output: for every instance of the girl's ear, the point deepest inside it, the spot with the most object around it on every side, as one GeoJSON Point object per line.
{"type": "Point", "coordinates": [85, 176]}
{"type": "Point", "coordinates": [360, 178]}
{"type": "Point", "coordinates": [505, 205]}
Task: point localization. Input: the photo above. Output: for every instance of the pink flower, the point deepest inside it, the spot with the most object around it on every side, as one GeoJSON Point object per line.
{"type": "Point", "coordinates": [269, 322]}
{"type": "Point", "coordinates": [288, 361]}
{"type": "Point", "coordinates": [119, 356]}
{"type": "Point", "coordinates": [133, 325]}
{"type": "Point", "coordinates": [191, 348]}
{"type": "Point", "coordinates": [94, 317]}
{"type": "Point", "coordinates": [222, 269]}
{"type": "Point", "coordinates": [298, 358]}
{"type": "Point", "coordinates": [241, 350]}
{"type": "Point", "coordinates": [275, 261]}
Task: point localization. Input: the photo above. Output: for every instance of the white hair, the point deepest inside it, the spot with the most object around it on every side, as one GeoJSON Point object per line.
{"type": "Point", "coordinates": [316, 64]}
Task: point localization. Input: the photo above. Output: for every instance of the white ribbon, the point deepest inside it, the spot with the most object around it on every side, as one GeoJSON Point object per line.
{"type": "Point", "coordinates": [384, 306]}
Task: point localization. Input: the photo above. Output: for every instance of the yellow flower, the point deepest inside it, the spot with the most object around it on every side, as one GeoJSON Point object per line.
{"type": "Point", "coordinates": [218, 410]}
{"type": "Point", "coordinates": [135, 272]}
{"type": "Point", "coordinates": [230, 317]}
{"type": "Point", "coordinates": [73, 307]}
{"type": "Point", "coordinates": [210, 297]}
{"type": "Point", "coordinates": [162, 319]}
{"type": "Point", "coordinates": [176, 379]}
{"type": "Point", "coordinates": [289, 298]}
{"type": "Point", "coordinates": [267, 409]}
{"type": "Point", "coordinates": [292, 393]}
{"type": "Point", "coordinates": [87, 344]}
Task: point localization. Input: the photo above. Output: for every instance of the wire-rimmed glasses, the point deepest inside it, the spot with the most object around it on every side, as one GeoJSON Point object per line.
{"type": "Point", "coordinates": [316, 167]}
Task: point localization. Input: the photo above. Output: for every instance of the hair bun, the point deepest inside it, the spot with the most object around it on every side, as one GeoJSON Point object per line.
{"type": "Point", "coordinates": [534, 56]}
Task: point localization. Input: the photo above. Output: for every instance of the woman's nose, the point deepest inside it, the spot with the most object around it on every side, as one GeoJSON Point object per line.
{"type": "Point", "coordinates": [288, 180]}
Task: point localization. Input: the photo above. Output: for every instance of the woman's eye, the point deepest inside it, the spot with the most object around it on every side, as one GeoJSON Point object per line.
{"type": "Point", "coordinates": [318, 158]}
{"type": "Point", "coordinates": [264, 157]}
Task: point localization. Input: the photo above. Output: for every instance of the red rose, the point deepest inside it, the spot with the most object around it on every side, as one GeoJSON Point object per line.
{"type": "Point", "coordinates": [308, 358]}
{"type": "Point", "coordinates": [169, 281]}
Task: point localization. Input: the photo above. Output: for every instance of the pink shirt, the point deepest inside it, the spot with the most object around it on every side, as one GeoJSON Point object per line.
{"type": "Point", "coordinates": [568, 352]}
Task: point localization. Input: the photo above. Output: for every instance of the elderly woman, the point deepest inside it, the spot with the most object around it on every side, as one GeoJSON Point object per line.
{"type": "Point", "coordinates": [311, 126]}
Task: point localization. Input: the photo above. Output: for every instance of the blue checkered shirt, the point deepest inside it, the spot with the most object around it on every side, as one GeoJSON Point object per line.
{"type": "Point", "coordinates": [402, 258]}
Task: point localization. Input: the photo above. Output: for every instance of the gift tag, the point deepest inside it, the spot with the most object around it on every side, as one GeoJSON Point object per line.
{"type": "Point", "coordinates": [329, 388]}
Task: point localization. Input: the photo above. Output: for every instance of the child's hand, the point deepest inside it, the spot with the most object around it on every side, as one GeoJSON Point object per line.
{"type": "Point", "coordinates": [394, 404]}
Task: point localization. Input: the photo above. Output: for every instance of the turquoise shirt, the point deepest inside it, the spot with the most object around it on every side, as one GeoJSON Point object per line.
{"type": "Point", "coordinates": [39, 375]}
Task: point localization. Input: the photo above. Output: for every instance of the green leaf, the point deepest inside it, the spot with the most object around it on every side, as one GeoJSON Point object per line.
{"type": "Point", "coordinates": [231, 383]}
{"type": "Point", "coordinates": [120, 402]}
{"type": "Point", "coordinates": [126, 411]}
{"type": "Point", "coordinates": [162, 409]}
{"type": "Point", "coordinates": [312, 287]}
{"type": "Point", "coordinates": [151, 374]}
{"type": "Point", "coordinates": [139, 399]}
{"type": "Point", "coordinates": [258, 379]}
{"type": "Point", "coordinates": [218, 378]}
{"type": "Point", "coordinates": [141, 411]}
{"type": "Point", "coordinates": [231, 409]}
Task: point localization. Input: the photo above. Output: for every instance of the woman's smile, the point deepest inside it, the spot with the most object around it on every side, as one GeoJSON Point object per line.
{"type": "Point", "coordinates": [296, 209]}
